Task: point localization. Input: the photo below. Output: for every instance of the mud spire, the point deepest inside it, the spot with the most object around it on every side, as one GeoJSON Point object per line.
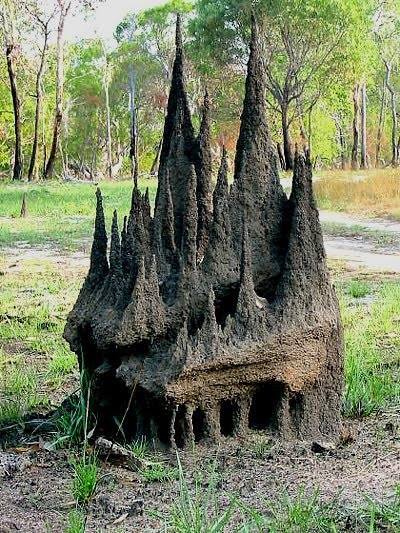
{"type": "Point", "coordinates": [204, 175]}
{"type": "Point", "coordinates": [115, 249]}
{"type": "Point", "coordinates": [98, 258]}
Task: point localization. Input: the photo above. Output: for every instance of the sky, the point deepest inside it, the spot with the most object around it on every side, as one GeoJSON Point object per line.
{"type": "Point", "coordinates": [104, 19]}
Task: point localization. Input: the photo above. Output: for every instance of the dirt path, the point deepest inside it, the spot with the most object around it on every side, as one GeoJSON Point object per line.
{"type": "Point", "coordinates": [359, 254]}
{"type": "Point", "coordinates": [377, 224]}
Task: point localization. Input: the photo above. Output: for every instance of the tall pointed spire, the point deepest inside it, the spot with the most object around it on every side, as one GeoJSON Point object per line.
{"type": "Point", "coordinates": [204, 175]}
{"type": "Point", "coordinates": [98, 258]}
{"type": "Point", "coordinates": [259, 199]}
{"type": "Point", "coordinates": [115, 249]}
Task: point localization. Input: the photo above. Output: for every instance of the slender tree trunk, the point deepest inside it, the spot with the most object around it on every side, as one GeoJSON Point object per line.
{"type": "Point", "coordinates": [364, 155]}
{"type": "Point", "coordinates": [156, 162]}
{"type": "Point", "coordinates": [281, 156]}
{"type": "Point", "coordinates": [382, 113]}
{"type": "Point", "coordinates": [108, 121]}
{"type": "Point", "coordinates": [356, 132]}
{"type": "Point", "coordinates": [58, 117]}
{"type": "Point", "coordinates": [287, 145]}
{"type": "Point", "coordinates": [395, 152]}
{"type": "Point", "coordinates": [133, 152]}
{"type": "Point", "coordinates": [342, 143]}
{"type": "Point", "coordinates": [18, 162]}
{"type": "Point", "coordinates": [38, 110]}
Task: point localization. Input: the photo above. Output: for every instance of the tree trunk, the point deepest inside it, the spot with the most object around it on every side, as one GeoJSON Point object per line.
{"type": "Point", "coordinates": [18, 163]}
{"type": "Point", "coordinates": [342, 143]}
{"type": "Point", "coordinates": [39, 96]}
{"type": "Point", "coordinates": [356, 132]}
{"type": "Point", "coordinates": [287, 145]}
{"type": "Point", "coordinates": [364, 155]}
{"type": "Point", "coordinates": [133, 152]}
{"type": "Point", "coordinates": [395, 152]}
{"type": "Point", "coordinates": [156, 162]}
{"type": "Point", "coordinates": [108, 116]}
{"type": "Point", "coordinates": [58, 117]}
{"type": "Point", "coordinates": [281, 156]}
{"type": "Point", "coordinates": [382, 115]}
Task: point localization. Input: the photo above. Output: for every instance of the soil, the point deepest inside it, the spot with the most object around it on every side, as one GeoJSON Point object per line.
{"type": "Point", "coordinates": [38, 498]}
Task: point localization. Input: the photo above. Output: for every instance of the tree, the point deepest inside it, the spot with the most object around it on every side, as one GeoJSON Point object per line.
{"type": "Point", "coordinates": [387, 35]}
{"type": "Point", "coordinates": [43, 21]}
{"type": "Point", "coordinates": [8, 12]}
{"type": "Point", "coordinates": [308, 43]}
{"type": "Point", "coordinates": [64, 7]}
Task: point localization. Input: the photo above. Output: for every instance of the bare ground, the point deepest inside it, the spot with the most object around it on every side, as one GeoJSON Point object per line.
{"type": "Point", "coordinates": [39, 497]}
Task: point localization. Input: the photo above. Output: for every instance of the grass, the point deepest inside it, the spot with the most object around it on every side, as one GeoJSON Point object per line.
{"type": "Point", "coordinates": [372, 341]}
{"type": "Point", "coordinates": [86, 477]}
{"type": "Point", "coordinates": [373, 192]}
{"type": "Point", "coordinates": [300, 513]}
{"type": "Point", "coordinates": [60, 214]}
{"type": "Point", "coordinates": [159, 472]}
{"type": "Point", "coordinates": [261, 446]}
{"type": "Point", "coordinates": [198, 510]}
{"type": "Point", "coordinates": [140, 448]}
{"type": "Point", "coordinates": [76, 521]}
{"type": "Point", "coordinates": [201, 508]}
{"type": "Point", "coordinates": [358, 289]}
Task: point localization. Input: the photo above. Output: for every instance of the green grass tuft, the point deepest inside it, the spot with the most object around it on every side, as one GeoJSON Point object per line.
{"type": "Point", "coordinates": [358, 289]}
{"type": "Point", "coordinates": [76, 522]}
{"type": "Point", "coordinates": [86, 476]}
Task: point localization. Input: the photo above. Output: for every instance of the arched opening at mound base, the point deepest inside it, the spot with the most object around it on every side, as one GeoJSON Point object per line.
{"type": "Point", "coordinates": [265, 404]}
{"type": "Point", "coordinates": [227, 418]}
{"type": "Point", "coordinates": [199, 425]}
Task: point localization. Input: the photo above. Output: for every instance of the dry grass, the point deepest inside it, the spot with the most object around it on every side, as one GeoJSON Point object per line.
{"type": "Point", "coordinates": [372, 192]}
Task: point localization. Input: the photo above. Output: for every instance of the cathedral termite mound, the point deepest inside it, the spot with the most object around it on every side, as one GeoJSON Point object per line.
{"type": "Point", "coordinates": [215, 315]}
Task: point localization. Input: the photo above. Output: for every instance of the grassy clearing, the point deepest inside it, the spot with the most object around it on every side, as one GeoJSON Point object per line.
{"type": "Point", "coordinates": [60, 214]}
{"type": "Point", "coordinates": [35, 362]}
{"type": "Point", "coordinates": [372, 341]}
{"type": "Point", "coordinates": [372, 192]}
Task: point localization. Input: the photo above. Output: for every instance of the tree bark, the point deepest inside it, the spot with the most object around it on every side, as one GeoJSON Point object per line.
{"type": "Point", "coordinates": [281, 156]}
{"type": "Point", "coordinates": [106, 88]}
{"type": "Point", "coordinates": [18, 161]}
{"type": "Point", "coordinates": [395, 151]}
{"type": "Point", "coordinates": [382, 113]}
{"type": "Point", "coordinates": [38, 110]}
{"type": "Point", "coordinates": [133, 153]}
{"type": "Point", "coordinates": [356, 132]}
{"type": "Point", "coordinates": [156, 162]}
{"type": "Point", "coordinates": [58, 117]}
{"type": "Point", "coordinates": [287, 145]}
{"type": "Point", "coordinates": [364, 155]}
{"type": "Point", "coordinates": [342, 143]}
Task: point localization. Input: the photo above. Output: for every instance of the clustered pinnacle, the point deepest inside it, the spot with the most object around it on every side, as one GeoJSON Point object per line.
{"type": "Point", "coordinates": [216, 314]}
